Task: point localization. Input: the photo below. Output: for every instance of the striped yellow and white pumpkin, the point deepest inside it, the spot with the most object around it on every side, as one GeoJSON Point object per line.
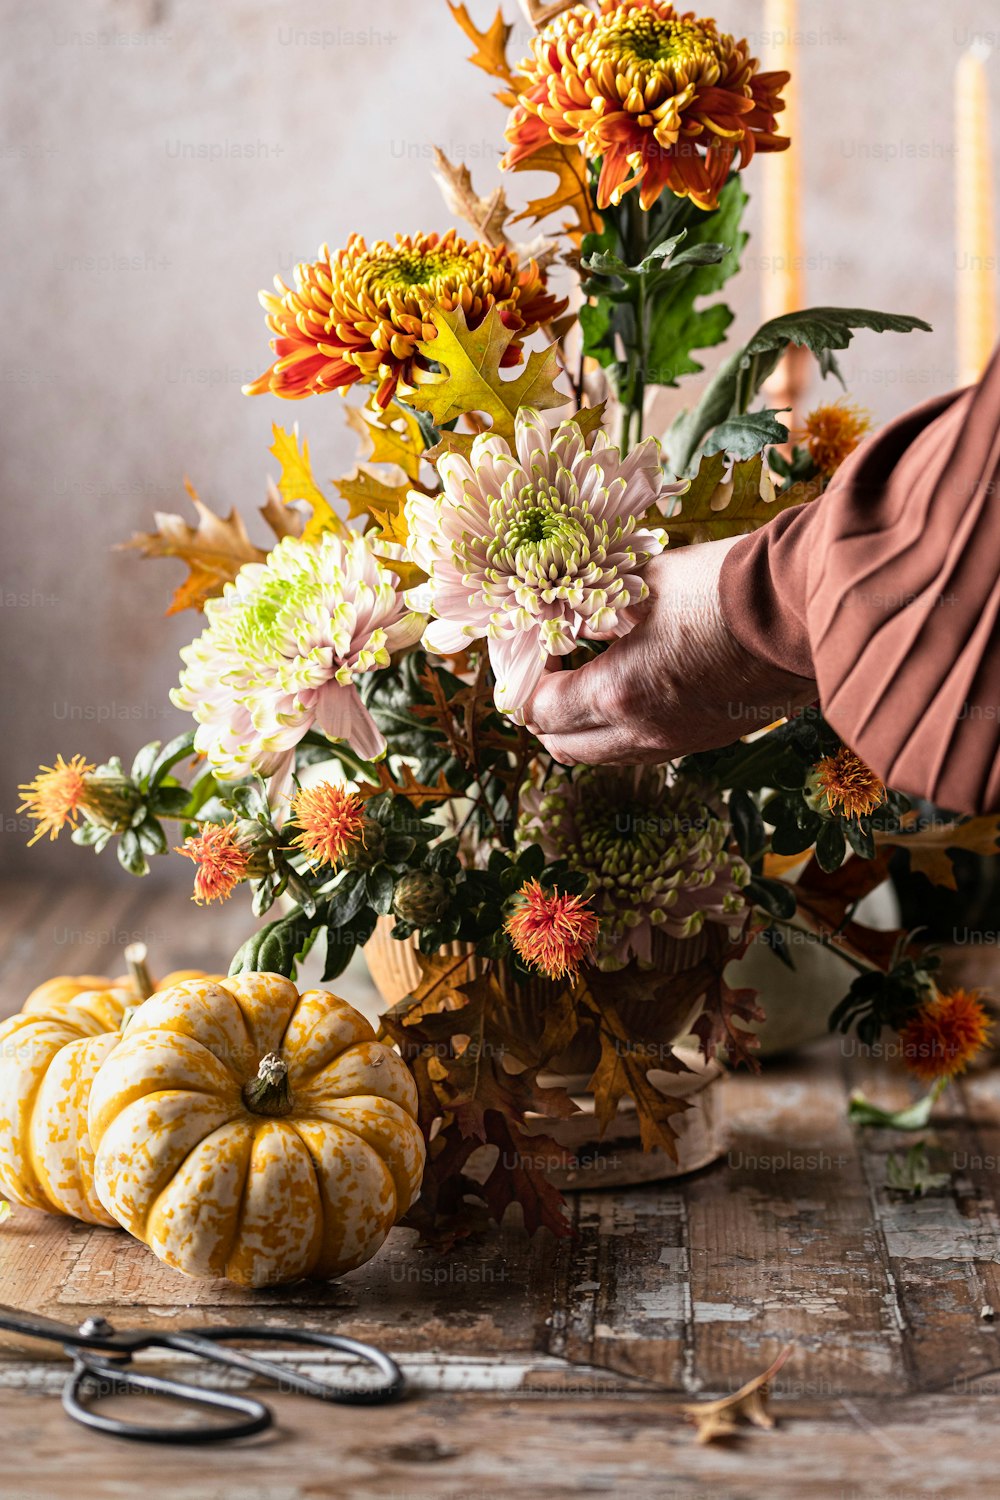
{"type": "Point", "coordinates": [244, 1130]}
{"type": "Point", "coordinates": [49, 1054]}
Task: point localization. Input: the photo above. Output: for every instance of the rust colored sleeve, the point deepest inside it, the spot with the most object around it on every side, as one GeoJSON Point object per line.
{"type": "Point", "coordinates": [886, 591]}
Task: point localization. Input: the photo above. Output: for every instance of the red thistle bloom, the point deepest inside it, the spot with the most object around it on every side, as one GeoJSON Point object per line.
{"type": "Point", "coordinates": [551, 930]}
{"type": "Point", "coordinates": [945, 1034]}
{"type": "Point", "coordinates": [849, 784]}
{"type": "Point", "coordinates": [330, 820]}
{"type": "Point", "coordinates": [832, 432]}
{"type": "Point", "coordinates": [221, 859]}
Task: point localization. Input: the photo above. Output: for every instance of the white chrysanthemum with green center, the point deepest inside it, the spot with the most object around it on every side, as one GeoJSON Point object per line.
{"type": "Point", "coordinates": [281, 652]}
{"type": "Point", "coordinates": [658, 857]}
{"type": "Point", "coordinates": [537, 548]}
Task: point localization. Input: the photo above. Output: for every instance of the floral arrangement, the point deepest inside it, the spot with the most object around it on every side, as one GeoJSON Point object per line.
{"type": "Point", "coordinates": [359, 690]}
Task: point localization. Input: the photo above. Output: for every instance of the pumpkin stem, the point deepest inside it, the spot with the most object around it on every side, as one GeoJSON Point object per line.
{"type": "Point", "coordinates": [269, 1093]}
{"type": "Point", "coordinates": [135, 958]}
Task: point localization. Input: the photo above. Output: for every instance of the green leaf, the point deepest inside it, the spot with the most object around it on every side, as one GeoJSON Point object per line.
{"type": "Point", "coordinates": [181, 746]}
{"type": "Point", "coordinates": [831, 846]}
{"type": "Point", "coordinates": [152, 839]}
{"type": "Point", "coordinates": [912, 1175]}
{"type": "Point", "coordinates": [748, 826]}
{"type": "Point", "coordinates": [682, 268]}
{"type": "Point", "coordinates": [913, 1117]}
{"type": "Point", "coordinates": [347, 899]}
{"type": "Point", "coordinates": [739, 378]}
{"type": "Point", "coordinates": [776, 898]}
{"type": "Point", "coordinates": [744, 437]}
{"type": "Point", "coordinates": [144, 761]}
{"type": "Point", "coordinates": [380, 886]}
{"type": "Point", "coordinates": [130, 855]}
{"type": "Point", "coordinates": [676, 325]}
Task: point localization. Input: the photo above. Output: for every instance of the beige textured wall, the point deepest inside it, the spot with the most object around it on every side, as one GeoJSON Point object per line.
{"type": "Point", "coordinates": [139, 226]}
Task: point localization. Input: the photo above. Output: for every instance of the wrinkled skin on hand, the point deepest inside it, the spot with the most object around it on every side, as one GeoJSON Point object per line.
{"type": "Point", "coordinates": [679, 682]}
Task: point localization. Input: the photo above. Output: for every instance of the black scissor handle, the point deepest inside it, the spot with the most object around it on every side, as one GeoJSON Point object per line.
{"type": "Point", "coordinates": [93, 1378]}
{"type": "Point", "coordinates": [205, 1341]}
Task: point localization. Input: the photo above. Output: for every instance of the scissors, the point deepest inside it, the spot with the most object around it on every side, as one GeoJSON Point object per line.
{"type": "Point", "coordinates": [102, 1367]}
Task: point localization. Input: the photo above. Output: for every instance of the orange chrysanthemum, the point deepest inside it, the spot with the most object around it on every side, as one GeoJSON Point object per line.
{"type": "Point", "coordinates": [832, 432]}
{"type": "Point", "coordinates": [944, 1036]}
{"type": "Point", "coordinates": [851, 787]}
{"type": "Point", "coordinates": [221, 859]}
{"type": "Point", "coordinates": [56, 796]}
{"type": "Point", "coordinates": [665, 100]}
{"type": "Point", "coordinates": [330, 820]}
{"type": "Point", "coordinates": [359, 314]}
{"type": "Point", "coordinates": [552, 931]}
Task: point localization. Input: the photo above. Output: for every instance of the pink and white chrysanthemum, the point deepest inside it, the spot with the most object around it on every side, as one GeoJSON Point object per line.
{"type": "Point", "coordinates": [281, 652]}
{"type": "Point", "coordinates": [535, 549]}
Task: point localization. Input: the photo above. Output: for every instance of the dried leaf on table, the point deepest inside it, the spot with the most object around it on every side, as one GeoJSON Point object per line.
{"type": "Point", "coordinates": [486, 215]}
{"type": "Point", "coordinates": [723, 1418]}
{"type": "Point", "coordinates": [215, 549]}
{"type": "Point", "coordinates": [929, 848]}
{"type": "Point", "coordinates": [726, 1012]}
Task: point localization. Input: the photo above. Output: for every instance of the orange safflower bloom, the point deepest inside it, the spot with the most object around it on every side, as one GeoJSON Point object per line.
{"type": "Point", "coordinates": [665, 100]}
{"type": "Point", "coordinates": [552, 931]}
{"type": "Point", "coordinates": [850, 786]}
{"type": "Point", "coordinates": [56, 796]}
{"type": "Point", "coordinates": [221, 859]}
{"type": "Point", "coordinates": [832, 432]}
{"type": "Point", "coordinates": [330, 821]}
{"type": "Point", "coordinates": [359, 314]}
{"type": "Point", "coordinates": [944, 1036]}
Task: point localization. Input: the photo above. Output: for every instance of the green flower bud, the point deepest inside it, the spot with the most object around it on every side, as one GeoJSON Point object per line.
{"type": "Point", "coordinates": [421, 897]}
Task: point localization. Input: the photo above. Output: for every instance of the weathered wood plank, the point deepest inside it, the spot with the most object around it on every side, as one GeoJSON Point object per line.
{"type": "Point", "coordinates": [446, 1447]}
{"type": "Point", "coordinates": [941, 1250]}
{"type": "Point", "coordinates": [781, 1244]}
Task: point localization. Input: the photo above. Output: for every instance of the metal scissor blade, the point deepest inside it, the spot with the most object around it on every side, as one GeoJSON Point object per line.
{"type": "Point", "coordinates": [34, 1325]}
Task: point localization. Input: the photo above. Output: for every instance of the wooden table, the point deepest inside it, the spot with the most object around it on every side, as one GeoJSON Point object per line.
{"type": "Point", "coordinates": [559, 1369]}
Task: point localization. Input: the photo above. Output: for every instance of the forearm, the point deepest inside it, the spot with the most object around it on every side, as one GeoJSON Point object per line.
{"type": "Point", "coordinates": [887, 590]}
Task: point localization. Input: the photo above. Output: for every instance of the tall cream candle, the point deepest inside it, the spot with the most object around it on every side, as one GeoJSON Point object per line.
{"type": "Point", "coordinates": [781, 237]}
{"type": "Point", "coordinates": [975, 242]}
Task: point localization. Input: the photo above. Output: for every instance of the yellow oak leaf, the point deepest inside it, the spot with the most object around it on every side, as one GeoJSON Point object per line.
{"type": "Point", "coordinates": [486, 215]}
{"type": "Point", "coordinates": [472, 381]}
{"type": "Point", "coordinates": [391, 437]}
{"type": "Point", "coordinates": [712, 507]}
{"type": "Point", "coordinates": [491, 44]}
{"type": "Point", "coordinates": [929, 846]}
{"type": "Point", "coordinates": [297, 483]}
{"type": "Point", "coordinates": [366, 493]}
{"type": "Point", "coordinates": [571, 192]}
{"type": "Point", "coordinates": [215, 550]}
{"type": "Point", "coordinates": [722, 1418]}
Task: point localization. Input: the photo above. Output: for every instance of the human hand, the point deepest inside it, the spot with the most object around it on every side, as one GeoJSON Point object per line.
{"type": "Point", "coordinates": [678, 682]}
